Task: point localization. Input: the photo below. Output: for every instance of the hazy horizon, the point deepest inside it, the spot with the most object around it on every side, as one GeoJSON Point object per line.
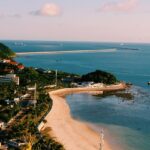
{"type": "Point", "coordinates": [75, 41]}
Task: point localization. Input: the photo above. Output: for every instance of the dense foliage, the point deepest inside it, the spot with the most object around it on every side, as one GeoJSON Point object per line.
{"type": "Point", "coordinates": [25, 125]}
{"type": "Point", "coordinates": [29, 76]}
{"type": "Point", "coordinates": [7, 112]}
{"type": "Point", "coordinates": [6, 52]}
{"type": "Point", "coordinates": [99, 76]}
{"type": "Point", "coordinates": [48, 144]}
{"type": "Point", "coordinates": [7, 91]}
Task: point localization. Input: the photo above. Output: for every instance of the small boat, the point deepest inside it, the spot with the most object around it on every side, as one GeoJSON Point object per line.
{"type": "Point", "coordinates": [122, 44]}
{"type": "Point", "coordinates": [148, 83]}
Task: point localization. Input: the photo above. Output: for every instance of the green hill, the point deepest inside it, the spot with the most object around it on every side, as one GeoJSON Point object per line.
{"type": "Point", "coordinates": [99, 76]}
{"type": "Point", "coordinates": [6, 52]}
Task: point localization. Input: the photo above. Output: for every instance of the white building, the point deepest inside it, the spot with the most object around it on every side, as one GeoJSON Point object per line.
{"type": "Point", "coordinates": [16, 100]}
{"type": "Point", "coordinates": [97, 85]}
{"type": "Point", "coordinates": [14, 77]}
{"type": "Point", "coordinates": [8, 78]}
{"type": "Point", "coordinates": [2, 125]}
{"type": "Point", "coordinates": [82, 84]}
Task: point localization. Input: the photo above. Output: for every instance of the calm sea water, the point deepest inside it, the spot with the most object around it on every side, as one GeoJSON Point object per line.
{"type": "Point", "coordinates": [128, 122]}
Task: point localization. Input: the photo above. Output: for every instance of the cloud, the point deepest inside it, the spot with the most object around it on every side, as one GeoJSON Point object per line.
{"type": "Point", "coordinates": [123, 6]}
{"type": "Point", "coordinates": [49, 9]}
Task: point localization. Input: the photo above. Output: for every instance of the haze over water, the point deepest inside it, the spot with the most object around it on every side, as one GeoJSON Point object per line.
{"type": "Point", "coordinates": [128, 121]}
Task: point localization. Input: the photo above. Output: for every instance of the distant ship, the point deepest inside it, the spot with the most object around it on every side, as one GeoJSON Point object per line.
{"type": "Point", "coordinates": [122, 44]}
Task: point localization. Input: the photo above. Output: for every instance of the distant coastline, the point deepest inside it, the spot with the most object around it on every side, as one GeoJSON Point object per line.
{"type": "Point", "coordinates": [67, 52]}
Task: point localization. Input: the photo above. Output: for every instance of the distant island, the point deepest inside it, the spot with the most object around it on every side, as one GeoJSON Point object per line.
{"type": "Point", "coordinates": [99, 76]}
{"type": "Point", "coordinates": [6, 52]}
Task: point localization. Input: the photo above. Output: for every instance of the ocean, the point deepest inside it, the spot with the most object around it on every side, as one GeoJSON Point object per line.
{"type": "Point", "coordinates": [127, 121]}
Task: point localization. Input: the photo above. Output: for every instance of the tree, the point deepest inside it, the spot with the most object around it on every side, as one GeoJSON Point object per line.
{"type": "Point", "coordinates": [6, 52]}
{"type": "Point", "coordinates": [99, 76]}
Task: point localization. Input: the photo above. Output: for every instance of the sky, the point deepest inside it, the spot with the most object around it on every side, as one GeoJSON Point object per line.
{"type": "Point", "coordinates": [75, 20]}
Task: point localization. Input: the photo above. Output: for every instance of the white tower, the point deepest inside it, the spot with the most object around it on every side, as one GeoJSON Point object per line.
{"type": "Point", "coordinates": [102, 140]}
{"type": "Point", "coordinates": [56, 77]}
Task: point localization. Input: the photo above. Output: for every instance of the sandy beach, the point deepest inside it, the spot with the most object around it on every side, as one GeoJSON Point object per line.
{"type": "Point", "coordinates": [73, 134]}
{"type": "Point", "coordinates": [67, 52]}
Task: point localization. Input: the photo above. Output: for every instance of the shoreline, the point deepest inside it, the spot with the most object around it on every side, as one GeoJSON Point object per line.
{"type": "Point", "coordinates": [67, 52]}
{"type": "Point", "coordinates": [73, 134]}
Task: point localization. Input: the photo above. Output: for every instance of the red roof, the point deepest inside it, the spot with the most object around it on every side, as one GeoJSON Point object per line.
{"type": "Point", "coordinates": [13, 63]}
{"type": "Point", "coordinates": [20, 67]}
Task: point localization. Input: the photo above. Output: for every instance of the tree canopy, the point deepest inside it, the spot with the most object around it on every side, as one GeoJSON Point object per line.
{"type": "Point", "coordinates": [99, 76]}
{"type": "Point", "coordinates": [6, 52]}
